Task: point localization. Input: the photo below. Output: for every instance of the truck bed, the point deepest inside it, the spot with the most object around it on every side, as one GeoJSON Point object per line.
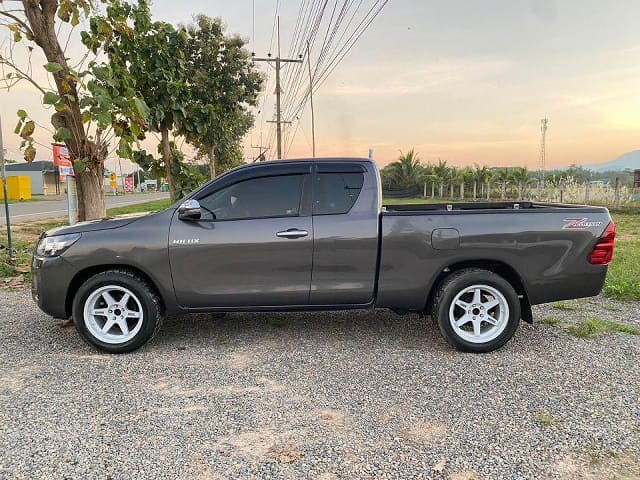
{"type": "Point", "coordinates": [542, 246]}
{"type": "Point", "coordinates": [489, 206]}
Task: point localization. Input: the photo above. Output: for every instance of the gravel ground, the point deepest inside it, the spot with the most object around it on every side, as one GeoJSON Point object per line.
{"type": "Point", "coordinates": [340, 395]}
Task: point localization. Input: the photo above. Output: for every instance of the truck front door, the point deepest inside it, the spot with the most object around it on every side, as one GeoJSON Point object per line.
{"type": "Point", "coordinates": [253, 245]}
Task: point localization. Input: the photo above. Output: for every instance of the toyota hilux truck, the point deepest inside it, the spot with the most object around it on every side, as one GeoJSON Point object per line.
{"type": "Point", "coordinates": [314, 235]}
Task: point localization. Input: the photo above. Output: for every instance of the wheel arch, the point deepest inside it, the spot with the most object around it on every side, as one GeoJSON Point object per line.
{"type": "Point", "coordinates": [83, 275]}
{"type": "Point", "coordinates": [498, 267]}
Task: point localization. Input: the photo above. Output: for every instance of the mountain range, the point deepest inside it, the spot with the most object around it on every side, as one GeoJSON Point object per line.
{"type": "Point", "coordinates": [626, 160]}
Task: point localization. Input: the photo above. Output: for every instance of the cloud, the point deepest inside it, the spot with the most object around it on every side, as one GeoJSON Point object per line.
{"type": "Point", "coordinates": [407, 79]}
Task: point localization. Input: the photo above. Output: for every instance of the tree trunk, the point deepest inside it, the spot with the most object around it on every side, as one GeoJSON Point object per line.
{"type": "Point", "coordinates": [212, 161]}
{"type": "Point", "coordinates": [441, 187]}
{"type": "Point", "coordinates": [168, 162]}
{"type": "Point", "coordinates": [89, 184]}
{"type": "Point", "coordinates": [462, 190]}
{"type": "Point", "coordinates": [502, 193]}
{"type": "Point", "coordinates": [475, 190]}
{"type": "Point", "coordinates": [488, 191]}
{"type": "Point", "coordinates": [451, 190]}
{"type": "Point", "coordinates": [433, 189]}
{"type": "Point", "coordinates": [41, 18]}
{"type": "Point", "coordinates": [424, 190]}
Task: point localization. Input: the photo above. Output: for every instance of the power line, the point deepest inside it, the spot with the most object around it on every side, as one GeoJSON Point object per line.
{"type": "Point", "coordinates": [278, 65]}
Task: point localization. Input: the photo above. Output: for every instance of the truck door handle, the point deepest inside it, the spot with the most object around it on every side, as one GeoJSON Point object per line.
{"type": "Point", "coordinates": [292, 233]}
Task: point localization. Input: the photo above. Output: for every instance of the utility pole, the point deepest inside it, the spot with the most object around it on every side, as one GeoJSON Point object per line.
{"type": "Point", "coordinates": [261, 151]}
{"type": "Point", "coordinates": [6, 194]}
{"type": "Point", "coordinates": [278, 63]}
{"type": "Point", "coordinates": [313, 119]}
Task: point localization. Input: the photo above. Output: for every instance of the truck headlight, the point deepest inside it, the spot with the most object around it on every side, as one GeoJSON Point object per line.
{"type": "Point", "coordinates": [56, 244]}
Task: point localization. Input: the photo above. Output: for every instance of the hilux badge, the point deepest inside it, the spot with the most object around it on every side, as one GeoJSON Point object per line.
{"type": "Point", "coordinates": [186, 241]}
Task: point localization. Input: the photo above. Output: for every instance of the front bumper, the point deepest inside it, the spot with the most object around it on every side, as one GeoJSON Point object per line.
{"type": "Point", "coordinates": [51, 278]}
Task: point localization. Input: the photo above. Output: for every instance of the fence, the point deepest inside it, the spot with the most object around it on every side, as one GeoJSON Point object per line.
{"type": "Point", "coordinates": [588, 192]}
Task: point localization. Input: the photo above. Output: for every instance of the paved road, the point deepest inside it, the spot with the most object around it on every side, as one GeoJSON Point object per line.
{"type": "Point", "coordinates": [39, 210]}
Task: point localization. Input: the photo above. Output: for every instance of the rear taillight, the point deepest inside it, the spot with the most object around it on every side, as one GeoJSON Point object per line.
{"type": "Point", "coordinates": [602, 252]}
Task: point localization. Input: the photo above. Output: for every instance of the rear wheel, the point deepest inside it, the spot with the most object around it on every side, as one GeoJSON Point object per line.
{"type": "Point", "coordinates": [116, 311]}
{"type": "Point", "coordinates": [476, 310]}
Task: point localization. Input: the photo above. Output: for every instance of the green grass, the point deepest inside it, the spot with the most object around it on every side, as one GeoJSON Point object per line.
{"type": "Point", "coordinates": [566, 306]}
{"type": "Point", "coordinates": [546, 419]}
{"type": "Point", "coordinates": [550, 320]}
{"type": "Point", "coordinates": [623, 279]}
{"type": "Point", "coordinates": [151, 206]}
{"type": "Point", "coordinates": [21, 260]}
{"type": "Point", "coordinates": [592, 327]}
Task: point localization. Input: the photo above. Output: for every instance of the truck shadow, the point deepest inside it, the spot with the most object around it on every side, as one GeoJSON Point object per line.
{"type": "Point", "coordinates": [358, 329]}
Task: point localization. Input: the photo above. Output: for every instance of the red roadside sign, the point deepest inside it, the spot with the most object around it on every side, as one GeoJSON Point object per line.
{"type": "Point", "coordinates": [62, 160]}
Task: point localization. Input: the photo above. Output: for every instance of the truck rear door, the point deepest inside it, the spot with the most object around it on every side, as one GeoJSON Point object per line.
{"type": "Point", "coordinates": [345, 225]}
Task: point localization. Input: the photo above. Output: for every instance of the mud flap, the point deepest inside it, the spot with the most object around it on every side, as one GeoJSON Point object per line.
{"type": "Point", "coordinates": [525, 311]}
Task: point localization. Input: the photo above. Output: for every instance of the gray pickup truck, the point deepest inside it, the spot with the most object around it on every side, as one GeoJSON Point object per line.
{"type": "Point", "coordinates": [313, 235]}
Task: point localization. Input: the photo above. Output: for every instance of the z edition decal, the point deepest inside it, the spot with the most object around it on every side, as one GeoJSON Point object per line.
{"type": "Point", "coordinates": [579, 224]}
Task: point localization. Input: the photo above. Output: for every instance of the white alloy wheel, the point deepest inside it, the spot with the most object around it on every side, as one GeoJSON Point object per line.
{"type": "Point", "coordinates": [113, 314]}
{"type": "Point", "coordinates": [479, 313]}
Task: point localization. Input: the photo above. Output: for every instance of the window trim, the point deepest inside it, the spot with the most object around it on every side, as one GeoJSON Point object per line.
{"type": "Point", "coordinates": [304, 198]}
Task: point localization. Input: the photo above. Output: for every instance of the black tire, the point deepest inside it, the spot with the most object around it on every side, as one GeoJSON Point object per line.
{"type": "Point", "coordinates": [456, 283]}
{"type": "Point", "coordinates": [146, 295]}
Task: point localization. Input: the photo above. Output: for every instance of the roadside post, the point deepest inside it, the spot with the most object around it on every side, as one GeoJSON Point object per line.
{"type": "Point", "coordinates": [72, 200]}
{"type": "Point", "coordinates": [6, 195]}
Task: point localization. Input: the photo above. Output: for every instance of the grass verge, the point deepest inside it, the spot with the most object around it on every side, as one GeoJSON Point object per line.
{"type": "Point", "coordinates": [592, 327]}
{"type": "Point", "coordinates": [623, 279]}
{"type": "Point", "coordinates": [151, 206]}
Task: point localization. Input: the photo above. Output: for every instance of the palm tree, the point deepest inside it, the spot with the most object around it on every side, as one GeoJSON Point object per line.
{"type": "Point", "coordinates": [503, 176]}
{"type": "Point", "coordinates": [406, 172]}
{"type": "Point", "coordinates": [440, 171]}
{"type": "Point", "coordinates": [482, 176]}
{"type": "Point", "coordinates": [521, 177]}
{"type": "Point", "coordinates": [457, 178]}
{"type": "Point", "coordinates": [427, 174]}
{"type": "Point", "coordinates": [453, 177]}
{"type": "Point", "coordinates": [467, 177]}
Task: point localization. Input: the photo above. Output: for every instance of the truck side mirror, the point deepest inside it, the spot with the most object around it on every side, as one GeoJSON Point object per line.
{"type": "Point", "coordinates": [189, 210]}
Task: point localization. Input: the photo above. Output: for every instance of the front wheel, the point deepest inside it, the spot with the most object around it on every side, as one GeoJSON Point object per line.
{"type": "Point", "coordinates": [116, 311]}
{"type": "Point", "coordinates": [477, 310]}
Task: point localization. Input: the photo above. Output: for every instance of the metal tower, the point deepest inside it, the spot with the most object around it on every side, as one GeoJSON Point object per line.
{"type": "Point", "coordinates": [543, 145]}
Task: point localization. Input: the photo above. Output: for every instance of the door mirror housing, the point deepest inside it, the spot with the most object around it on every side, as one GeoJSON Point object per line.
{"type": "Point", "coordinates": [189, 210]}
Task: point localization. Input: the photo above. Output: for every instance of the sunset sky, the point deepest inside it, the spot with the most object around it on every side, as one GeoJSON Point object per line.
{"type": "Point", "coordinates": [465, 81]}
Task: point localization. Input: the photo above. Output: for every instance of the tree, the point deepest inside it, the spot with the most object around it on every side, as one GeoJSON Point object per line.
{"type": "Point", "coordinates": [503, 176]}
{"type": "Point", "coordinates": [454, 178]}
{"type": "Point", "coordinates": [407, 171]}
{"type": "Point", "coordinates": [154, 54]}
{"type": "Point", "coordinates": [440, 172]}
{"type": "Point", "coordinates": [92, 103]}
{"type": "Point", "coordinates": [223, 85]}
{"type": "Point", "coordinates": [482, 177]}
{"type": "Point", "coordinates": [467, 177]}
{"type": "Point", "coordinates": [186, 177]}
{"type": "Point", "coordinates": [521, 177]}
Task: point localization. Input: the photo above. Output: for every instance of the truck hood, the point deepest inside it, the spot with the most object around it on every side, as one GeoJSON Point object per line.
{"type": "Point", "coordinates": [94, 225]}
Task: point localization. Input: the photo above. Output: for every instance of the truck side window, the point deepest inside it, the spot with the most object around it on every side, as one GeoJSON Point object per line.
{"type": "Point", "coordinates": [261, 197]}
{"type": "Point", "coordinates": [335, 193]}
